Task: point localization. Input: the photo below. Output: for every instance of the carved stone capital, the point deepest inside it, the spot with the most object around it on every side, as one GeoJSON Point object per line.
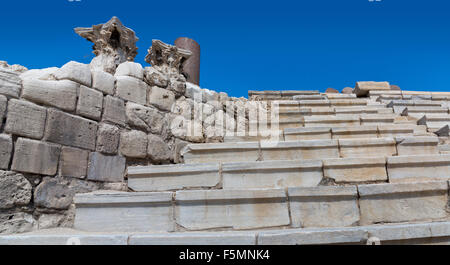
{"type": "Point", "coordinates": [164, 55]}
{"type": "Point", "coordinates": [113, 44]}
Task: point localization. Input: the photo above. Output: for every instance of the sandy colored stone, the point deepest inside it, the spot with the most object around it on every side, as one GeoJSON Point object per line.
{"type": "Point", "coordinates": [323, 206]}
{"type": "Point", "coordinates": [272, 174]}
{"type": "Point", "coordinates": [110, 211]}
{"type": "Point", "coordinates": [114, 110]}
{"type": "Point", "coordinates": [25, 119]}
{"type": "Point", "coordinates": [61, 94]}
{"type": "Point", "coordinates": [103, 81]}
{"type": "Point", "coordinates": [361, 169]}
{"type": "Point", "coordinates": [406, 202]}
{"type": "Point", "coordinates": [157, 149]}
{"type": "Point", "coordinates": [133, 144]}
{"type": "Point", "coordinates": [298, 150]}
{"type": "Point", "coordinates": [73, 162]}
{"type": "Point", "coordinates": [147, 118]}
{"type": "Point", "coordinates": [173, 177]}
{"type": "Point", "coordinates": [418, 168]}
{"type": "Point", "coordinates": [236, 209]}
{"type": "Point", "coordinates": [106, 168]}
{"type": "Point", "coordinates": [74, 71]}
{"type": "Point", "coordinates": [6, 147]}
{"type": "Point", "coordinates": [363, 88]}
{"type": "Point", "coordinates": [66, 129]}
{"type": "Point", "coordinates": [367, 147]}
{"type": "Point", "coordinates": [15, 190]}
{"type": "Point", "coordinates": [32, 156]}
{"type": "Point", "coordinates": [132, 89]}
{"type": "Point", "coordinates": [108, 139]}
{"type": "Point", "coordinates": [90, 103]}
{"type": "Point", "coordinates": [161, 98]}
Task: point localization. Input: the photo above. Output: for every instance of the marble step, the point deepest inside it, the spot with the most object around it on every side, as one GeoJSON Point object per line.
{"type": "Point", "coordinates": [251, 209]}
{"type": "Point", "coordinates": [345, 143]}
{"type": "Point", "coordinates": [259, 174]}
{"type": "Point", "coordinates": [434, 233]}
{"type": "Point", "coordinates": [418, 168]}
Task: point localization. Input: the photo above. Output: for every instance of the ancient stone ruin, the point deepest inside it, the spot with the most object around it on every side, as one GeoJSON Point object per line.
{"type": "Point", "coordinates": [112, 152]}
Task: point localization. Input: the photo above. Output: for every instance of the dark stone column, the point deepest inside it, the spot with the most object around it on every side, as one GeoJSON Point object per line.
{"type": "Point", "coordinates": [191, 67]}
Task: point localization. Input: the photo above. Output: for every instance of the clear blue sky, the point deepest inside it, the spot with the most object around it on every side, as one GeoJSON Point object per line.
{"type": "Point", "coordinates": [254, 45]}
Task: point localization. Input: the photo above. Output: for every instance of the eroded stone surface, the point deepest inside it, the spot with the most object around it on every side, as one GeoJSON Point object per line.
{"type": "Point", "coordinates": [15, 190]}
{"type": "Point", "coordinates": [157, 149]}
{"type": "Point", "coordinates": [25, 119]}
{"type": "Point", "coordinates": [147, 118]}
{"type": "Point", "coordinates": [108, 139]}
{"type": "Point", "coordinates": [106, 168]}
{"type": "Point", "coordinates": [103, 82]}
{"type": "Point", "coordinates": [132, 89]}
{"type": "Point", "coordinates": [74, 71]}
{"type": "Point", "coordinates": [66, 129]}
{"type": "Point", "coordinates": [6, 147]}
{"type": "Point", "coordinates": [73, 162]}
{"type": "Point", "coordinates": [133, 144]}
{"type": "Point", "coordinates": [32, 156]}
{"type": "Point", "coordinates": [114, 110]}
{"type": "Point", "coordinates": [61, 94]}
{"type": "Point", "coordinates": [90, 103]}
{"type": "Point", "coordinates": [10, 83]}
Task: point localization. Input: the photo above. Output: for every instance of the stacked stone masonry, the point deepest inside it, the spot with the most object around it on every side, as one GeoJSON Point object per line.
{"type": "Point", "coordinates": [116, 147]}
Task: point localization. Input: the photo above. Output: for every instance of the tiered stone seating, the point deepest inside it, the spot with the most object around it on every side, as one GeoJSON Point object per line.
{"type": "Point", "coordinates": [337, 169]}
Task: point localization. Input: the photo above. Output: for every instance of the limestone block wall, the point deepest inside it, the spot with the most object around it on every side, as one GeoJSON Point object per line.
{"type": "Point", "coordinates": [73, 130]}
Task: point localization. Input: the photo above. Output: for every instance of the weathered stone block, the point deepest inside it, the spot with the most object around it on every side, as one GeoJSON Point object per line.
{"type": "Point", "coordinates": [237, 209]}
{"type": "Point", "coordinates": [345, 170]}
{"type": "Point", "coordinates": [73, 162]}
{"type": "Point", "coordinates": [103, 82]}
{"type": "Point", "coordinates": [405, 202]}
{"type": "Point", "coordinates": [6, 146]}
{"type": "Point", "coordinates": [315, 133]}
{"type": "Point", "coordinates": [90, 103]}
{"type": "Point", "coordinates": [417, 145]}
{"type": "Point", "coordinates": [32, 156]}
{"type": "Point", "coordinates": [298, 150]}
{"type": "Point", "coordinates": [66, 129]}
{"type": "Point", "coordinates": [363, 88]}
{"type": "Point", "coordinates": [367, 147]}
{"type": "Point", "coordinates": [173, 177]}
{"type": "Point", "coordinates": [147, 118]}
{"type": "Point", "coordinates": [10, 83]}
{"type": "Point", "coordinates": [77, 72]}
{"type": "Point", "coordinates": [157, 149]}
{"type": "Point", "coordinates": [348, 132]}
{"type": "Point", "coordinates": [418, 168]}
{"type": "Point", "coordinates": [124, 212]}
{"type": "Point", "coordinates": [108, 139]}
{"type": "Point", "coordinates": [220, 152]}
{"type": "Point", "coordinates": [114, 110]}
{"type": "Point", "coordinates": [154, 77]}
{"type": "Point", "coordinates": [132, 89]}
{"type": "Point", "coordinates": [25, 119]}
{"type": "Point", "coordinates": [333, 121]}
{"type": "Point", "coordinates": [133, 144]}
{"type": "Point", "coordinates": [272, 174]}
{"type": "Point", "coordinates": [130, 69]}
{"type": "Point", "coordinates": [61, 94]}
{"type": "Point", "coordinates": [193, 238]}
{"type": "Point", "coordinates": [350, 235]}
{"type": "Point", "coordinates": [325, 206]}
{"type": "Point", "coordinates": [106, 168]}
{"type": "Point", "coordinates": [58, 192]}
{"type": "Point", "coordinates": [15, 190]}
{"type": "Point", "coordinates": [3, 105]}
{"type": "Point", "coordinates": [161, 98]}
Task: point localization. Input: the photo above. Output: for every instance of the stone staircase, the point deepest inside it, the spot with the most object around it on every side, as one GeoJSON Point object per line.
{"type": "Point", "coordinates": [335, 169]}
